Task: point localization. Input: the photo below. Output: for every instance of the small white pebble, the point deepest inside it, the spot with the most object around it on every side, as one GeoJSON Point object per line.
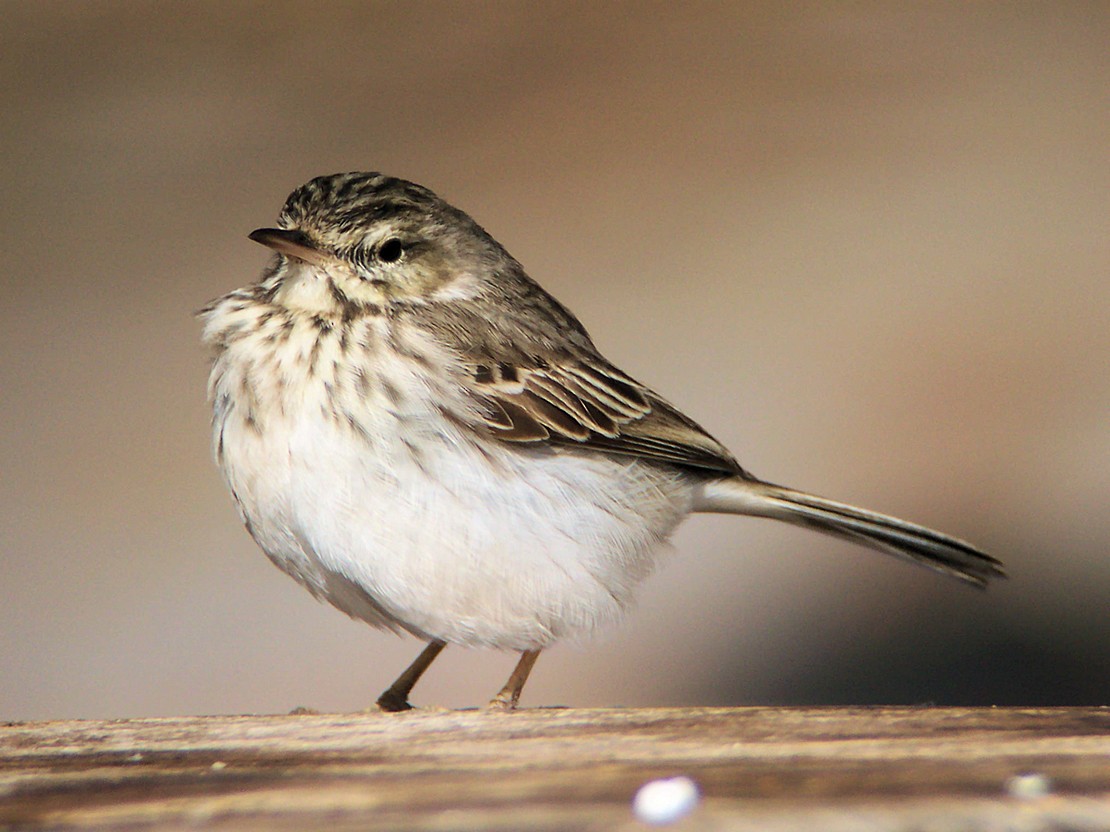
{"type": "Point", "coordinates": [218, 765]}
{"type": "Point", "coordinates": [665, 801]}
{"type": "Point", "coordinates": [1028, 786]}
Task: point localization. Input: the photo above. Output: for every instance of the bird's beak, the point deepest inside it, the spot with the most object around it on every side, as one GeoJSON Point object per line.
{"type": "Point", "coordinates": [290, 243]}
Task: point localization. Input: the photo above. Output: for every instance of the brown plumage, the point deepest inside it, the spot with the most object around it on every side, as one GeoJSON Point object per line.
{"type": "Point", "coordinates": [421, 435]}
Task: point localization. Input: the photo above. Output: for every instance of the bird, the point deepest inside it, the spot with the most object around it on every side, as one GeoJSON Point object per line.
{"type": "Point", "coordinates": [420, 435]}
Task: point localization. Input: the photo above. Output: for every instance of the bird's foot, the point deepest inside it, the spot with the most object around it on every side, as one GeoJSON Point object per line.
{"type": "Point", "coordinates": [393, 702]}
{"type": "Point", "coordinates": [502, 704]}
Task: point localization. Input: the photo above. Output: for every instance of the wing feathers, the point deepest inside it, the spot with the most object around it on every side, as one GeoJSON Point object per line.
{"type": "Point", "coordinates": [518, 425]}
{"type": "Point", "coordinates": [617, 393]}
{"type": "Point", "coordinates": [573, 405]}
{"type": "Point", "coordinates": [591, 405]}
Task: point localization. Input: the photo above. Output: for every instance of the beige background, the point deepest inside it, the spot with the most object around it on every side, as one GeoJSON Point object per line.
{"type": "Point", "coordinates": [866, 245]}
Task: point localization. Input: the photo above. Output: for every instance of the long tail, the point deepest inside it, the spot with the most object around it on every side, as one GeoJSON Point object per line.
{"type": "Point", "coordinates": [908, 541]}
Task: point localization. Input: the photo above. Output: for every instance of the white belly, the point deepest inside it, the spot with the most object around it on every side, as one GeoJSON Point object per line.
{"type": "Point", "coordinates": [405, 522]}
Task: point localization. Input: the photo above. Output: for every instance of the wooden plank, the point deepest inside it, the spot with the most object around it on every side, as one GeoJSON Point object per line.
{"type": "Point", "coordinates": [538, 769]}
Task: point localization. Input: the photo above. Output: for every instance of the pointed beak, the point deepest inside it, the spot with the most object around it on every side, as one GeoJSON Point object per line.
{"type": "Point", "coordinates": [291, 244]}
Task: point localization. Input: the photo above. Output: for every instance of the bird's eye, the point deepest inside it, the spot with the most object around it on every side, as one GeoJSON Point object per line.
{"type": "Point", "coordinates": [391, 250]}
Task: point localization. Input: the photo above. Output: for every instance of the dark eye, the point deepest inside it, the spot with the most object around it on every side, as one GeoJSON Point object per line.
{"type": "Point", "coordinates": [391, 250]}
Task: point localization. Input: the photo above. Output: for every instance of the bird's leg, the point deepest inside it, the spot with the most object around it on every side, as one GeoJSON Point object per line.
{"type": "Point", "coordinates": [510, 694]}
{"type": "Point", "coordinates": [397, 697]}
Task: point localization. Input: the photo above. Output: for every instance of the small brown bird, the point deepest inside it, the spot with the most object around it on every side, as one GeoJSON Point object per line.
{"type": "Point", "coordinates": [419, 434]}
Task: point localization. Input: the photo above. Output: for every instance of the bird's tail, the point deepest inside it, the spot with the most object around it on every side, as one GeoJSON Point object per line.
{"type": "Point", "coordinates": [908, 541]}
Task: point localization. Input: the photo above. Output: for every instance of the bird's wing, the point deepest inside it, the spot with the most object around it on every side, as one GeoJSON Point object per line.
{"type": "Point", "coordinates": [583, 401]}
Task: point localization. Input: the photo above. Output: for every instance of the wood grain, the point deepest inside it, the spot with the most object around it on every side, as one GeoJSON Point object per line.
{"type": "Point", "coordinates": [545, 769]}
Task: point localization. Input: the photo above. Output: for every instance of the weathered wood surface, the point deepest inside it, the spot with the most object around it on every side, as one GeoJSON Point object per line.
{"type": "Point", "coordinates": [813, 769]}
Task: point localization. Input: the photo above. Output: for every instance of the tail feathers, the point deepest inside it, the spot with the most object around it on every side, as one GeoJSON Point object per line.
{"type": "Point", "coordinates": [908, 541]}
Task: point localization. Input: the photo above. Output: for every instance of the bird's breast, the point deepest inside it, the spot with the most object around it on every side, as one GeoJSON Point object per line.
{"type": "Point", "coordinates": [353, 477]}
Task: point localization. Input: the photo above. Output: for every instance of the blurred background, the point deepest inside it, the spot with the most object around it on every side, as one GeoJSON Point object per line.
{"type": "Point", "coordinates": [866, 245]}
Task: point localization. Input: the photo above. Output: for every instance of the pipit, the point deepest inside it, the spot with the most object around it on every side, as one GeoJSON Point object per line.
{"type": "Point", "coordinates": [420, 435]}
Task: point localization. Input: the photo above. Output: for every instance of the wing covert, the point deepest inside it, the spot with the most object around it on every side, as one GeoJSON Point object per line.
{"type": "Point", "coordinates": [591, 404]}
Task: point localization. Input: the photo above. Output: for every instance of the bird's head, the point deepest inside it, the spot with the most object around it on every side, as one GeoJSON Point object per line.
{"type": "Point", "coordinates": [364, 240]}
